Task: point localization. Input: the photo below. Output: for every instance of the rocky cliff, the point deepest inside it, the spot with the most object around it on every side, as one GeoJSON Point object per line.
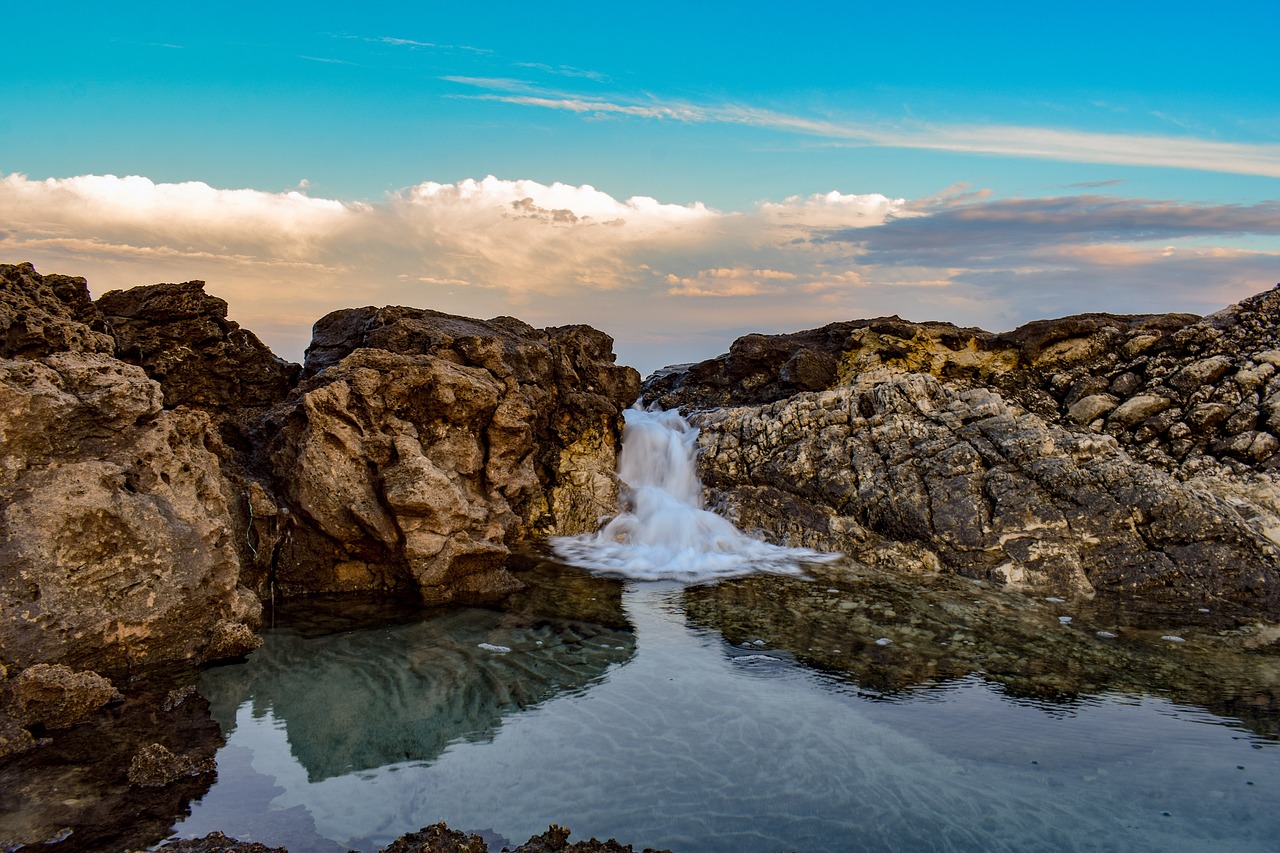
{"type": "Point", "coordinates": [1096, 452]}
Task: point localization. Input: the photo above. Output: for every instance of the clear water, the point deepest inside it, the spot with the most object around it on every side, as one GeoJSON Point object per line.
{"type": "Point", "coordinates": [727, 718]}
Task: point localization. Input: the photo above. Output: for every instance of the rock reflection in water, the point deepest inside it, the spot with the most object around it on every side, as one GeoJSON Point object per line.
{"type": "Point", "coordinates": [360, 699]}
{"type": "Point", "coordinates": [891, 637]}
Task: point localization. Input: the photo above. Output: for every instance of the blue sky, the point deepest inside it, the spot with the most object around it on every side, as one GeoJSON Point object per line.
{"type": "Point", "coordinates": [674, 173]}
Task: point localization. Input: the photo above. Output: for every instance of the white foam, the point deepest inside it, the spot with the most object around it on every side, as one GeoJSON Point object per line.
{"type": "Point", "coordinates": [664, 533]}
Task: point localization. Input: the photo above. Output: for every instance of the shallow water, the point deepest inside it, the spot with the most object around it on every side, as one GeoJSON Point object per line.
{"type": "Point", "coordinates": [725, 718]}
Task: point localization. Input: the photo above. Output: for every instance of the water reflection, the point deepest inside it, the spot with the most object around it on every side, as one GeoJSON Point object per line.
{"type": "Point", "coordinates": [891, 638]}
{"type": "Point", "coordinates": [757, 715]}
{"type": "Point", "coordinates": [360, 699]}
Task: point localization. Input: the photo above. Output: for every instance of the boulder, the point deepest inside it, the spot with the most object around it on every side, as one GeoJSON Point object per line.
{"type": "Point", "coordinates": [422, 445]}
{"type": "Point", "coordinates": [182, 338]}
{"type": "Point", "coordinates": [983, 487]}
{"type": "Point", "coordinates": [115, 537]}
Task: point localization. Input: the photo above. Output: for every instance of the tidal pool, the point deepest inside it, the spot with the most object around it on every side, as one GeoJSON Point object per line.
{"type": "Point", "coordinates": [846, 711]}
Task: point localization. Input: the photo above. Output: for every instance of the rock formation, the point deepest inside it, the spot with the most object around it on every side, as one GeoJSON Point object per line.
{"type": "Point", "coordinates": [421, 445]}
{"type": "Point", "coordinates": [161, 470]}
{"type": "Point", "coordinates": [115, 536]}
{"type": "Point", "coordinates": [1091, 453]}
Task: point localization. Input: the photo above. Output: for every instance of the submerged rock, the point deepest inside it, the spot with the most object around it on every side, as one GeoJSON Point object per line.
{"type": "Point", "coordinates": [438, 838]}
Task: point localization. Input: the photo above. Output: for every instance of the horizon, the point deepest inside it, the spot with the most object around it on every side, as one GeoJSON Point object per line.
{"type": "Point", "coordinates": [676, 177]}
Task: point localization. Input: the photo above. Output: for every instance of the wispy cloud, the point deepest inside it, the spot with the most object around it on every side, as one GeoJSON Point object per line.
{"type": "Point", "coordinates": [565, 71]}
{"type": "Point", "coordinates": [412, 44]}
{"type": "Point", "coordinates": [671, 281]}
{"type": "Point", "coordinates": [1077, 146]}
{"type": "Point", "coordinates": [326, 59]}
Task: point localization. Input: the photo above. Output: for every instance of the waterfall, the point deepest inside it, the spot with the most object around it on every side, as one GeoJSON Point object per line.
{"type": "Point", "coordinates": [664, 533]}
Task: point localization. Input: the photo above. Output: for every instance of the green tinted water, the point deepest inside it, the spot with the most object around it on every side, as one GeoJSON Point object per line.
{"type": "Point", "coordinates": [850, 711]}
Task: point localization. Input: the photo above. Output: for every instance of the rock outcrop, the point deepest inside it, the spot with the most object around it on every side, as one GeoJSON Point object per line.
{"type": "Point", "coordinates": [422, 445]}
{"type": "Point", "coordinates": [161, 470]}
{"type": "Point", "coordinates": [1091, 453]}
{"type": "Point", "coordinates": [115, 536]}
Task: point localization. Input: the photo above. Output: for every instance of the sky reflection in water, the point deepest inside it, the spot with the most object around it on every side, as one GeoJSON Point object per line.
{"type": "Point", "coordinates": [727, 720]}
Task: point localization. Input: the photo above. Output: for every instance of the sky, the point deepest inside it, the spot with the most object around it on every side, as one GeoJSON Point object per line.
{"type": "Point", "coordinates": [674, 173]}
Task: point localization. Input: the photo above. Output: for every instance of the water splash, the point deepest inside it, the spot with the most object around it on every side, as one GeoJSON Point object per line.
{"type": "Point", "coordinates": [664, 532]}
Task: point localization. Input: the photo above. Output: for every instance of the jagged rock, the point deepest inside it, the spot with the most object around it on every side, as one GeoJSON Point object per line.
{"type": "Point", "coordinates": [556, 840]}
{"type": "Point", "coordinates": [115, 536]}
{"type": "Point", "coordinates": [422, 445]}
{"type": "Point", "coordinates": [438, 838]}
{"type": "Point", "coordinates": [990, 489]}
{"type": "Point", "coordinates": [980, 453]}
{"type": "Point", "coordinates": [42, 314]}
{"type": "Point", "coordinates": [216, 842]}
{"type": "Point", "coordinates": [182, 338]}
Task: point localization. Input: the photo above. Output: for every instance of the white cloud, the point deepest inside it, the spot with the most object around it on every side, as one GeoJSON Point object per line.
{"type": "Point", "coordinates": [669, 281]}
{"type": "Point", "coordinates": [1075, 146]}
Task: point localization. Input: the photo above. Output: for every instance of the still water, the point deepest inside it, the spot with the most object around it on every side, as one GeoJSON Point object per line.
{"type": "Point", "coordinates": [843, 711]}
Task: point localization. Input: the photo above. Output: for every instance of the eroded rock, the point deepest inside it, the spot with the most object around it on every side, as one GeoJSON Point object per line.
{"type": "Point", "coordinates": [423, 445]}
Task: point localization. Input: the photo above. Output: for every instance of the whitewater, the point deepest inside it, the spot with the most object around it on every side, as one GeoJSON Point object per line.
{"type": "Point", "coordinates": [664, 532]}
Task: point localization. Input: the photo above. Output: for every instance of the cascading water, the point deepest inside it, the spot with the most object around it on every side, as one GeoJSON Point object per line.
{"type": "Point", "coordinates": [664, 533]}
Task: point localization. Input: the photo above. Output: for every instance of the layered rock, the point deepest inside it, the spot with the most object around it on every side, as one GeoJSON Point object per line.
{"type": "Point", "coordinates": [115, 536]}
{"type": "Point", "coordinates": [1092, 453]}
{"type": "Point", "coordinates": [422, 445]}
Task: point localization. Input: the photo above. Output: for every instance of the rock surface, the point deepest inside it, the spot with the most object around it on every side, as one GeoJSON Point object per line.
{"type": "Point", "coordinates": [1127, 454]}
{"type": "Point", "coordinates": [115, 535]}
{"type": "Point", "coordinates": [422, 445]}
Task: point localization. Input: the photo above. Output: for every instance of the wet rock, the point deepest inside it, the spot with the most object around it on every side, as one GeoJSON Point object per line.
{"type": "Point", "coordinates": [155, 766]}
{"type": "Point", "coordinates": [55, 696]}
{"type": "Point", "coordinates": [438, 838]}
{"type": "Point", "coordinates": [556, 840]}
{"type": "Point", "coordinates": [216, 842]}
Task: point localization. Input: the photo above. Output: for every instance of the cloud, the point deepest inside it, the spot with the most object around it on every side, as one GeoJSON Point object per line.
{"type": "Point", "coordinates": [670, 281]}
{"type": "Point", "coordinates": [971, 232]}
{"type": "Point", "coordinates": [325, 59]}
{"type": "Point", "coordinates": [565, 71]}
{"type": "Point", "coordinates": [1075, 146]}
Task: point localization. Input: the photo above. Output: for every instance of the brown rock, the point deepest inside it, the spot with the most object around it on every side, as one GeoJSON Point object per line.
{"type": "Point", "coordinates": [114, 531]}
{"type": "Point", "coordinates": [55, 697]}
{"type": "Point", "coordinates": [424, 444]}
{"type": "Point", "coordinates": [182, 338]}
{"type": "Point", "coordinates": [155, 766]}
{"type": "Point", "coordinates": [43, 314]}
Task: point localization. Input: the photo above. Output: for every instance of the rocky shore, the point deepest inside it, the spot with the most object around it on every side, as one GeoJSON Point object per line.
{"type": "Point", "coordinates": [163, 474]}
{"type": "Point", "coordinates": [1091, 454]}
